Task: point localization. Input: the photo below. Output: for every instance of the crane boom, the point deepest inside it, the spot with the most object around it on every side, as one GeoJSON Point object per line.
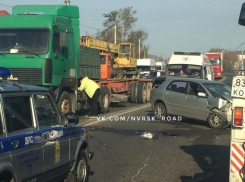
{"type": "Point", "coordinates": [99, 44]}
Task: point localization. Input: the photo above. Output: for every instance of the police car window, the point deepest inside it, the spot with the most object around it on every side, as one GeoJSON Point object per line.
{"type": "Point", "coordinates": [46, 114]}
{"type": "Point", "coordinates": [18, 114]}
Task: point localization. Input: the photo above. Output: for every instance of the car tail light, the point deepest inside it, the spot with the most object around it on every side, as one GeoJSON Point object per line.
{"type": "Point", "coordinates": [238, 116]}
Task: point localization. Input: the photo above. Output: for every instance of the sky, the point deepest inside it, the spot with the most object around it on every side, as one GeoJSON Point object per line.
{"type": "Point", "coordinates": [172, 25]}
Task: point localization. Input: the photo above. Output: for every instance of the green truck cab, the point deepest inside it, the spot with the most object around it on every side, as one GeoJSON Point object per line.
{"type": "Point", "coordinates": [40, 45]}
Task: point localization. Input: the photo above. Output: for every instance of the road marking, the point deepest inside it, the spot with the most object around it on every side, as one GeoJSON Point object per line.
{"type": "Point", "coordinates": [223, 79]}
{"type": "Point", "coordinates": [116, 114]}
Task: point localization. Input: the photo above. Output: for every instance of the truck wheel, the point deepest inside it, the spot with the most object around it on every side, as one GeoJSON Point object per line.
{"type": "Point", "coordinates": [81, 169]}
{"type": "Point", "coordinates": [141, 92]}
{"type": "Point", "coordinates": [148, 91]}
{"type": "Point", "coordinates": [132, 92]}
{"type": "Point", "coordinates": [160, 111]}
{"type": "Point", "coordinates": [216, 120]}
{"type": "Point", "coordinates": [105, 100]}
{"type": "Point", "coordinates": [136, 92]}
{"type": "Point", "coordinates": [64, 103]}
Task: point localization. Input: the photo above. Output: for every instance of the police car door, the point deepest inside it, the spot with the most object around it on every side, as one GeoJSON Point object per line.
{"type": "Point", "coordinates": [25, 141]}
{"type": "Point", "coordinates": [54, 134]}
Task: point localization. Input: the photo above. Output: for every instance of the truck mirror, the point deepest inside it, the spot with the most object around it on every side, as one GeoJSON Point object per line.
{"type": "Point", "coordinates": [63, 37]}
{"type": "Point", "coordinates": [241, 20]}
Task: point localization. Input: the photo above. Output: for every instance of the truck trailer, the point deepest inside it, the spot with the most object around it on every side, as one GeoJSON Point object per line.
{"type": "Point", "coordinates": [40, 44]}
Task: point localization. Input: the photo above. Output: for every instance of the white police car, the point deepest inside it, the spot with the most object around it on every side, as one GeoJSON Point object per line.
{"type": "Point", "coordinates": [36, 142]}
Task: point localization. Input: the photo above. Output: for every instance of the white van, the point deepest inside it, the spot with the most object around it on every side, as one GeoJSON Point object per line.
{"type": "Point", "coordinates": [160, 66]}
{"type": "Point", "coordinates": [145, 66]}
{"type": "Point", "coordinates": [190, 64]}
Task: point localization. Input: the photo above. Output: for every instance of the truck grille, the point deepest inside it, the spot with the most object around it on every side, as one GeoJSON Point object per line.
{"type": "Point", "coordinates": [32, 76]}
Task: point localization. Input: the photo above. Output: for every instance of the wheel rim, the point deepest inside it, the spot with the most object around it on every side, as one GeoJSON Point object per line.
{"type": "Point", "coordinates": [81, 170]}
{"type": "Point", "coordinates": [159, 111]}
{"type": "Point", "coordinates": [106, 100]}
{"type": "Point", "coordinates": [215, 120]}
{"type": "Point", "coordinates": [65, 106]}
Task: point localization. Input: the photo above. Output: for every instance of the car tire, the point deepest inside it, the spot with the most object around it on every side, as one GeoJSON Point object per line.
{"type": "Point", "coordinates": [105, 100]}
{"type": "Point", "coordinates": [160, 111]}
{"type": "Point", "coordinates": [216, 119]}
{"type": "Point", "coordinates": [132, 92]}
{"type": "Point", "coordinates": [141, 92]}
{"type": "Point", "coordinates": [64, 103]}
{"type": "Point", "coordinates": [81, 170]}
{"type": "Point", "coordinates": [148, 91]}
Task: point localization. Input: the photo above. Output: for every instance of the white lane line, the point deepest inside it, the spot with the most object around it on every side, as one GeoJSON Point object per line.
{"type": "Point", "coordinates": [117, 114]}
{"type": "Point", "coordinates": [223, 79]}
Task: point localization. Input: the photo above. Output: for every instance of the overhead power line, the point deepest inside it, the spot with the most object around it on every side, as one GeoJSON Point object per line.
{"type": "Point", "coordinates": [238, 47]}
{"type": "Point", "coordinates": [90, 27]}
{"type": "Point", "coordinates": [6, 5]}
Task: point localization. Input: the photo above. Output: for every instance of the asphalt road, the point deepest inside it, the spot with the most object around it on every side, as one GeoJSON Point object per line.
{"type": "Point", "coordinates": [227, 78]}
{"type": "Point", "coordinates": [184, 151]}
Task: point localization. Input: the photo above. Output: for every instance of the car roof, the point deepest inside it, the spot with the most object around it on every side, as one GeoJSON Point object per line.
{"type": "Point", "coordinates": [186, 79]}
{"type": "Point", "coordinates": [8, 86]}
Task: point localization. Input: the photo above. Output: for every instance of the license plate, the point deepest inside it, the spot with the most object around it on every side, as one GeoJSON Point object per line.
{"type": "Point", "coordinates": [238, 87]}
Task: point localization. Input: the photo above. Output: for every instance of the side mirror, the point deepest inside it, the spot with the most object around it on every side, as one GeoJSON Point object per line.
{"type": "Point", "coordinates": [63, 38]}
{"type": "Point", "coordinates": [241, 20]}
{"type": "Point", "coordinates": [72, 118]}
{"type": "Point", "coordinates": [201, 94]}
{"type": "Point", "coordinates": [156, 86]}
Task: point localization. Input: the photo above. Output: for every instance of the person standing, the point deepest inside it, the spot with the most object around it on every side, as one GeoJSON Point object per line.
{"type": "Point", "coordinates": [92, 89]}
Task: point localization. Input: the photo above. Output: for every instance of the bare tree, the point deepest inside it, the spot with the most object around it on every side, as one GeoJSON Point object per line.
{"type": "Point", "coordinates": [230, 60]}
{"type": "Point", "coordinates": [215, 50]}
{"type": "Point", "coordinates": [124, 19]}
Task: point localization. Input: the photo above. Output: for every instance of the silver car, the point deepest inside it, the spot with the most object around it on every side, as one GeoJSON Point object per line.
{"type": "Point", "coordinates": [192, 98]}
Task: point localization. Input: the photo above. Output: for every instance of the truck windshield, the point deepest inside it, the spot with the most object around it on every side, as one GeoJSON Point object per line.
{"type": "Point", "coordinates": [215, 61]}
{"type": "Point", "coordinates": [24, 41]}
{"type": "Point", "coordinates": [124, 51]}
{"type": "Point", "coordinates": [184, 69]}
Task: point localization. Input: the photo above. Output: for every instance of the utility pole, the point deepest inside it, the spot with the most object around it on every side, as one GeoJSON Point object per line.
{"type": "Point", "coordinates": [139, 48]}
{"type": "Point", "coordinates": [67, 2]}
{"type": "Point", "coordinates": [242, 56]}
{"type": "Point", "coordinates": [115, 35]}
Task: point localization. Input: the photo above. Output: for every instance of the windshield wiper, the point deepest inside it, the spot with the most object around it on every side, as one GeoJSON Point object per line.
{"type": "Point", "coordinates": [26, 51]}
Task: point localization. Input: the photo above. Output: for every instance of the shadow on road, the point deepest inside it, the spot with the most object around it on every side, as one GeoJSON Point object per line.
{"type": "Point", "coordinates": [115, 104]}
{"type": "Point", "coordinates": [212, 159]}
{"type": "Point", "coordinates": [90, 173]}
